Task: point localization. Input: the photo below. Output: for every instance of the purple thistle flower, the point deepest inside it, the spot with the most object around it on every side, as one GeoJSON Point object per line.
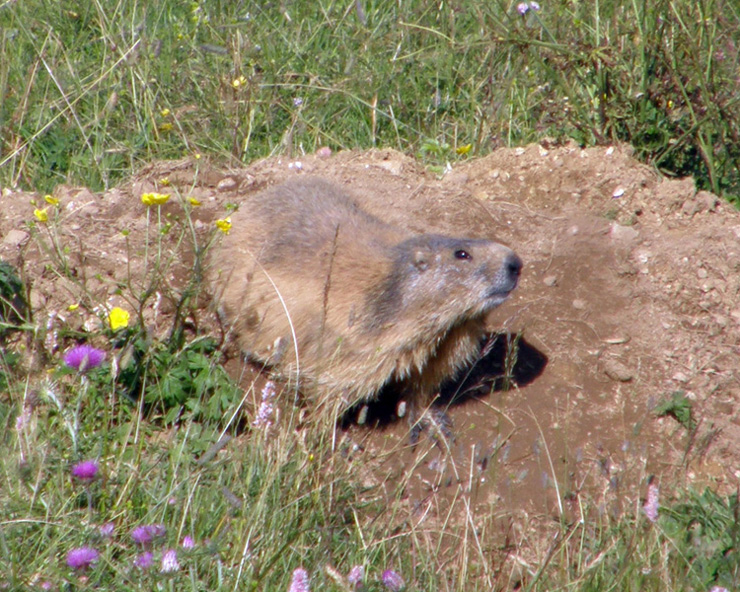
{"type": "Point", "coordinates": [106, 530]}
{"type": "Point", "coordinates": [82, 557]}
{"type": "Point", "coordinates": [143, 535]}
{"type": "Point", "coordinates": [169, 561]}
{"type": "Point", "coordinates": [84, 357]}
{"type": "Point", "coordinates": [651, 504]}
{"type": "Point", "coordinates": [187, 542]}
{"type": "Point", "coordinates": [392, 580]}
{"type": "Point", "coordinates": [522, 8]}
{"type": "Point", "coordinates": [355, 577]}
{"type": "Point", "coordinates": [85, 471]}
{"type": "Point", "coordinates": [145, 560]}
{"type": "Point", "coordinates": [299, 583]}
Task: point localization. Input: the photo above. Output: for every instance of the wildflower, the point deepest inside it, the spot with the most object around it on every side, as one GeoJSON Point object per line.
{"type": "Point", "coordinates": [84, 357]}
{"type": "Point", "coordinates": [118, 318]}
{"type": "Point", "coordinates": [85, 471]}
{"type": "Point", "coordinates": [23, 418]}
{"type": "Point", "coordinates": [41, 215]}
{"type": "Point", "coordinates": [54, 201]}
{"type": "Point", "coordinates": [187, 542]}
{"type": "Point", "coordinates": [224, 225]}
{"type": "Point", "coordinates": [392, 580]}
{"type": "Point", "coordinates": [73, 307]}
{"type": "Point", "coordinates": [144, 560]}
{"type": "Point", "coordinates": [462, 150]}
{"type": "Point", "coordinates": [355, 577]}
{"type": "Point", "coordinates": [165, 181]}
{"type": "Point", "coordinates": [166, 127]}
{"type": "Point", "coordinates": [522, 8]}
{"type": "Point", "coordinates": [143, 535]}
{"type": "Point", "coordinates": [267, 408]}
{"type": "Point", "coordinates": [718, 589]}
{"type": "Point", "coordinates": [82, 557]}
{"type": "Point", "coordinates": [164, 112]}
{"type": "Point", "coordinates": [169, 561]}
{"type": "Point", "coordinates": [193, 202]}
{"type": "Point", "coordinates": [651, 504]}
{"type": "Point", "coordinates": [106, 530]}
{"type": "Point", "coordinates": [237, 83]}
{"type": "Point", "coordinates": [196, 156]}
{"type": "Point", "coordinates": [297, 102]}
{"type": "Point", "coordinates": [299, 583]}
{"type": "Point", "coordinates": [154, 199]}
{"type": "Point", "coordinates": [534, 6]}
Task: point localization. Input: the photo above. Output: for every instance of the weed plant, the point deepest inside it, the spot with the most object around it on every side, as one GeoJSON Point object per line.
{"type": "Point", "coordinates": [136, 467]}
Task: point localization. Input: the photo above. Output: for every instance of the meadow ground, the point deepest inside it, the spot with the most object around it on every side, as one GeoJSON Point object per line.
{"type": "Point", "coordinates": [597, 443]}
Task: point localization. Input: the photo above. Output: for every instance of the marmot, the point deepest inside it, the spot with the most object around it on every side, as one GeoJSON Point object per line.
{"type": "Point", "coordinates": [315, 287]}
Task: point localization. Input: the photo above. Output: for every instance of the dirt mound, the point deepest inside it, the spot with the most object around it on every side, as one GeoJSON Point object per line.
{"type": "Point", "coordinates": [630, 292]}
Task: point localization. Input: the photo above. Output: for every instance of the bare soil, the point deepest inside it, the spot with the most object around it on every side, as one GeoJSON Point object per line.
{"type": "Point", "coordinates": [630, 292]}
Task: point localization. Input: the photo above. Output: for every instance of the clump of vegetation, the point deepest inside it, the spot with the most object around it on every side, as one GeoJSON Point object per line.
{"type": "Point", "coordinates": [87, 93]}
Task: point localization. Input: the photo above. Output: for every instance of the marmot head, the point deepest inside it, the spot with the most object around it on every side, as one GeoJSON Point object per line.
{"type": "Point", "coordinates": [437, 276]}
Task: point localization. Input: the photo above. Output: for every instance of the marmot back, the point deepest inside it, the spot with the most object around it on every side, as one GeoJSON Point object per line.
{"type": "Point", "coordinates": [315, 286]}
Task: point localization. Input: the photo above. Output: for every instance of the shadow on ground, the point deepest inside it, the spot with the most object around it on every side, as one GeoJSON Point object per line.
{"type": "Point", "coordinates": [506, 360]}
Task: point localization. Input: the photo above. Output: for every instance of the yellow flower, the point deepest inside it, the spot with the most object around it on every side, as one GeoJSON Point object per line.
{"type": "Point", "coordinates": [224, 225]}
{"type": "Point", "coordinates": [464, 149]}
{"type": "Point", "coordinates": [41, 215]}
{"type": "Point", "coordinates": [154, 199]}
{"type": "Point", "coordinates": [73, 307]}
{"type": "Point", "coordinates": [118, 318]}
{"type": "Point", "coordinates": [165, 181]}
{"type": "Point", "coordinates": [166, 127]}
{"type": "Point", "coordinates": [237, 83]}
{"type": "Point", "coordinates": [193, 202]}
{"type": "Point", "coordinates": [51, 200]}
{"type": "Point", "coordinates": [164, 112]}
{"type": "Point", "coordinates": [197, 156]}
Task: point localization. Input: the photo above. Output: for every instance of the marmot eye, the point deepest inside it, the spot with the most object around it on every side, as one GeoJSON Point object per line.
{"type": "Point", "coordinates": [462, 254]}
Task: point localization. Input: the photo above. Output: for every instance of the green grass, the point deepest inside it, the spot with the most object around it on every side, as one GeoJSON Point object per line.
{"type": "Point", "coordinates": [91, 91]}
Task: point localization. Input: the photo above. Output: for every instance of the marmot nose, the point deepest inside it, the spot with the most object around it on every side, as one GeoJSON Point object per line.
{"type": "Point", "coordinates": [513, 266]}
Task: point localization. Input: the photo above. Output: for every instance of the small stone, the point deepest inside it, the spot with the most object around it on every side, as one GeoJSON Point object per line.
{"type": "Point", "coordinates": [15, 237]}
{"type": "Point", "coordinates": [735, 314]}
{"type": "Point", "coordinates": [37, 300]}
{"type": "Point", "coordinates": [618, 192]}
{"type": "Point", "coordinates": [701, 273]}
{"type": "Point", "coordinates": [707, 201]}
{"type": "Point", "coordinates": [323, 152]}
{"type": "Point", "coordinates": [623, 233]}
{"type": "Point", "coordinates": [550, 280]}
{"type": "Point", "coordinates": [680, 377]}
{"type": "Point", "coordinates": [226, 184]}
{"type": "Point", "coordinates": [690, 207]}
{"type": "Point", "coordinates": [617, 371]}
{"type": "Point", "coordinates": [579, 304]}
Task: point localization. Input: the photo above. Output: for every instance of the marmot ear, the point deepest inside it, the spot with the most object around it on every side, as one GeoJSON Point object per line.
{"type": "Point", "coordinates": [420, 260]}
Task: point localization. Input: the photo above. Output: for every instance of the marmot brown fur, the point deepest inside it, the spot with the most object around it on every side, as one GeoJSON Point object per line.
{"type": "Point", "coordinates": [314, 286]}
